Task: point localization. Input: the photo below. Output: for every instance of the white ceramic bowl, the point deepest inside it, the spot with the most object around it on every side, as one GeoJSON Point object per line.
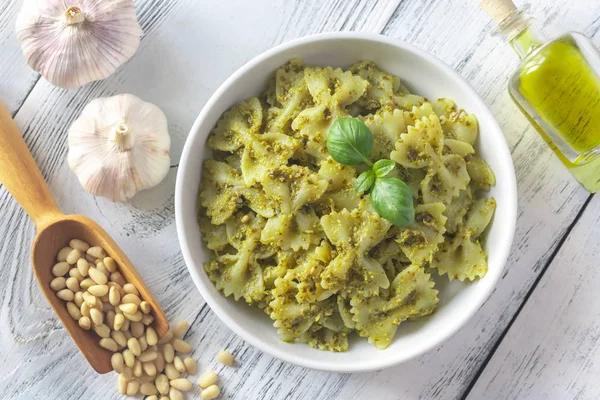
{"type": "Point", "coordinates": [422, 74]}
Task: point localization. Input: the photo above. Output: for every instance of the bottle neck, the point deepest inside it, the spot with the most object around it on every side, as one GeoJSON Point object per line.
{"type": "Point", "coordinates": [519, 30]}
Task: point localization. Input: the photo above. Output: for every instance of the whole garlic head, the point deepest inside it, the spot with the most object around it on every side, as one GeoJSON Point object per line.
{"type": "Point", "coordinates": [74, 42]}
{"type": "Point", "coordinates": [119, 146]}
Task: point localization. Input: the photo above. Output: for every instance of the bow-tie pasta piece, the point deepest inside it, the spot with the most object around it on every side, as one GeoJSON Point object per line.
{"type": "Point", "coordinates": [380, 92]}
{"type": "Point", "coordinates": [457, 124]}
{"type": "Point", "coordinates": [412, 296]}
{"type": "Point", "coordinates": [386, 127]}
{"type": "Point", "coordinates": [463, 257]}
{"type": "Point", "coordinates": [308, 273]}
{"type": "Point", "coordinates": [293, 231]}
{"type": "Point", "coordinates": [457, 209]}
{"type": "Point", "coordinates": [422, 141]}
{"type": "Point", "coordinates": [266, 153]}
{"type": "Point", "coordinates": [237, 126]}
{"type": "Point", "coordinates": [420, 240]}
{"type": "Point", "coordinates": [482, 176]}
{"type": "Point", "coordinates": [292, 187]}
{"type": "Point", "coordinates": [446, 177]}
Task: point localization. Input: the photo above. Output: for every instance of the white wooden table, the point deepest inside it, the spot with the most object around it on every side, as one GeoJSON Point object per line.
{"type": "Point", "coordinates": [537, 337]}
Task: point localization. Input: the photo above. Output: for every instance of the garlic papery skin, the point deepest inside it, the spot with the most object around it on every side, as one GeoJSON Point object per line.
{"type": "Point", "coordinates": [74, 42]}
{"type": "Point", "coordinates": [119, 146]}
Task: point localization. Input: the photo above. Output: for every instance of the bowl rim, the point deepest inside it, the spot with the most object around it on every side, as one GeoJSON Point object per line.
{"type": "Point", "coordinates": [503, 248]}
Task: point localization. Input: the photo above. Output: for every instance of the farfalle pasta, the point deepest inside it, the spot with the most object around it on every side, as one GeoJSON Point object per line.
{"type": "Point", "coordinates": [288, 233]}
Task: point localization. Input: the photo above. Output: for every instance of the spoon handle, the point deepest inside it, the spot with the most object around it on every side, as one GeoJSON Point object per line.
{"type": "Point", "coordinates": [21, 176]}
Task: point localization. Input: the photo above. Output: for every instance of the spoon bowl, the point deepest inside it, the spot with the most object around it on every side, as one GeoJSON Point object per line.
{"type": "Point", "coordinates": [22, 178]}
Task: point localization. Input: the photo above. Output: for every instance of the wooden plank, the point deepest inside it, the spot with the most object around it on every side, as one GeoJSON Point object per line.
{"type": "Point", "coordinates": [16, 78]}
{"type": "Point", "coordinates": [188, 49]}
{"type": "Point", "coordinates": [552, 350]}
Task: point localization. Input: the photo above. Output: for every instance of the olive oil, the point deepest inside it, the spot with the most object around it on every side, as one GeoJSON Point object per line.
{"type": "Point", "coordinates": [557, 86]}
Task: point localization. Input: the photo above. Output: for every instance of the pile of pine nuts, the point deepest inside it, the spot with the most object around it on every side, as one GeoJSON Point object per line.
{"type": "Point", "coordinates": [100, 299]}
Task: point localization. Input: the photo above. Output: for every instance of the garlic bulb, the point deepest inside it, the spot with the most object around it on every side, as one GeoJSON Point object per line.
{"type": "Point", "coordinates": [74, 42]}
{"type": "Point", "coordinates": [119, 146]}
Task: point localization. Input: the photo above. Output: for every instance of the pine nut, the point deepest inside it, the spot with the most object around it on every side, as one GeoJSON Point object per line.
{"type": "Point", "coordinates": [63, 253]}
{"type": "Point", "coordinates": [96, 252]}
{"type": "Point", "coordinates": [145, 307]}
{"type": "Point", "coordinates": [131, 298]}
{"type": "Point", "coordinates": [79, 245]}
{"type": "Point", "coordinates": [134, 345]}
{"type": "Point", "coordinates": [210, 393]}
{"type": "Point", "coordinates": [178, 363]}
{"type": "Point", "coordinates": [98, 276]}
{"type": "Point", "coordinates": [137, 329]}
{"type": "Point", "coordinates": [102, 268]}
{"type": "Point", "coordinates": [65, 294]}
{"type": "Point", "coordinates": [154, 397]}
{"type": "Point", "coordinates": [181, 384]}
{"type": "Point", "coordinates": [180, 329]}
{"type": "Point", "coordinates": [73, 256]}
{"type": "Point", "coordinates": [85, 323]}
{"type": "Point", "coordinates": [104, 299]}
{"type": "Point", "coordinates": [74, 273]}
{"type": "Point", "coordinates": [97, 316]}
{"type": "Point", "coordinates": [60, 269]}
{"type": "Point", "coordinates": [119, 337]}
{"type": "Point", "coordinates": [137, 316]}
{"type": "Point", "coordinates": [58, 283]}
{"type": "Point", "coordinates": [190, 365]}
{"type": "Point", "coordinates": [119, 320]}
{"type": "Point", "coordinates": [147, 319]}
{"type": "Point", "coordinates": [207, 379]}
{"type": "Point", "coordinates": [147, 356]}
{"type": "Point", "coordinates": [168, 352]}
{"type": "Point", "coordinates": [151, 337]}
{"type": "Point", "coordinates": [90, 299]}
{"type": "Point", "coordinates": [148, 388]}
{"type": "Point", "coordinates": [137, 368]}
{"type": "Point", "coordinates": [90, 259]}
{"type": "Point", "coordinates": [143, 343]}
{"type": "Point", "coordinates": [78, 299]}
{"type": "Point", "coordinates": [85, 309]}
{"type": "Point", "coordinates": [182, 346]}
{"type": "Point", "coordinates": [128, 373]}
{"type": "Point", "coordinates": [129, 308]}
{"type": "Point", "coordinates": [117, 362]}
{"type": "Point", "coordinates": [114, 297]}
{"type": "Point", "coordinates": [72, 284]}
{"type": "Point", "coordinates": [86, 283]}
{"type": "Point", "coordinates": [166, 338]}
{"type": "Point", "coordinates": [73, 311]}
{"type": "Point", "coordinates": [129, 358]}
{"type": "Point", "coordinates": [122, 384]}
{"type": "Point", "coordinates": [109, 344]}
{"type": "Point", "coordinates": [125, 327]}
{"type": "Point", "coordinates": [175, 394]}
{"type": "Point", "coordinates": [83, 266]}
{"type": "Point", "coordinates": [98, 290]}
{"type": "Point", "coordinates": [159, 362]}
{"type": "Point", "coordinates": [103, 331]}
{"type": "Point", "coordinates": [110, 319]}
{"type": "Point", "coordinates": [130, 289]}
{"type": "Point", "coordinates": [116, 277]}
{"type": "Point", "coordinates": [225, 358]}
{"type": "Point", "coordinates": [162, 384]}
{"type": "Point", "coordinates": [110, 264]}
{"type": "Point", "coordinates": [149, 368]}
{"type": "Point", "coordinates": [171, 372]}
{"type": "Point", "coordinates": [132, 388]}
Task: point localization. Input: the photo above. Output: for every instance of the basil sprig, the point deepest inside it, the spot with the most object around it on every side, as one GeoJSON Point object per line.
{"type": "Point", "coordinates": [350, 143]}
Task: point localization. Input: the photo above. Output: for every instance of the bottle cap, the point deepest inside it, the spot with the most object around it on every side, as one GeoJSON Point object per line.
{"type": "Point", "coordinates": [499, 10]}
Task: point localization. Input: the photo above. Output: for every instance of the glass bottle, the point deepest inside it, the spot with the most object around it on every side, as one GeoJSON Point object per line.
{"type": "Point", "coordinates": [557, 87]}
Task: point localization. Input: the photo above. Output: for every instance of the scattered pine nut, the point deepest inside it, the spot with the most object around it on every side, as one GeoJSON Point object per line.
{"type": "Point", "coordinates": [171, 372]}
{"type": "Point", "coordinates": [137, 329]}
{"type": "Point", "coordinates": [96, 252]}
{"type": "Point", "coordinates": [73, 311]}
{"type": "Point", "coordinates": [98, 290]}
{"type": "Point", "coordinates": [134, 345]}
{"type": "Point", "coordinates": [178, 363]}
{"type": "Point", "coordinates": [131, 298]}
{"type": "Point", "coordinates": [58, 283]}
{"type": "Point", "coordinates": [148, 388]}
{"type": "Point", "coordinates": [207, 379]}
{"type": "Point", "coordinates": [129, 358]}
{"type": "Point", "coordinates": [137, 316]}
{"type": "Point", "coordinates": [119, 321]}
{"type": "Point", "coordinates": [151, 337]}
{"type": "Point", "coordinates": [168, 352]}
{"type": "Point", "coordinates": [180, 329]}
{"type": "Point", "coordinates": [60, 269]}
{"type": "Point", "coordinates": [83, 266]}
{"type": "Point", "coordinates": [65, 294]}
{"type": "Point", "coordinates": [86, 283]}
{"type": "Point", "coordinates": [149, 368]}
{"type": "Point", "coordinates": [97, 316]}
{"type": "Point", "coordinates": [147, 319]}
{"type": "Point", "coordinates": [117, 362]}
{"type": "Point", "coordinates": [79, 245]}
{"type": "Point", "coordinates": [132, 387]}
{"type": "Point", "coordinates": [85, 323]}
{"type": "Point", "coordinates": [225, 358]}
{"type": "Point", "coordinates": [74, 273]}
{"type": "Point", "coordinates": [110, 264]}
{"type": "Point", "coordinates": [166, 338]}
{"type": "Point", "coordinates": [97, 276]}
{"type": "Point", "coordinates": [181, 384]}
{"type": "Point", "coordinates": [63, 253]}
{"type": "Point", "coordinates": [103, 331]}
{"type": "Point", "coordinates": [145, 307]}
{"type": "Point", "coordinates": [73, 256]}
{"type": "Point", "coordinates": [190, 365]}
{"type": "Point", "coordinates": [175, 394]}
{"type": "Point", "coordinates": [137, 368]}
{"type": "Point", "coordinates": [109, 344]}
{"type": "Point", "coordinates": [210, 393]}
{"type": "Point", "coordinates": [162, 384]}
{"type": "Point", "coordinates": [182, 346]}
{"type": "Point", "coordinates": [130, 289]}
{"type": "Point", "coordinates": [116, 277]}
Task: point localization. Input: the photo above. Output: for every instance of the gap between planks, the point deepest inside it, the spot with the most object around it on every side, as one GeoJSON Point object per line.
{"type": "Point", "coordinates": [525, 299]}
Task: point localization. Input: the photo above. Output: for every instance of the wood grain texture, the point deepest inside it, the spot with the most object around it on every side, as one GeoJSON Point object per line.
{"type": "Point", "coordinates": [16, 78]}
{"type": "Point", "coordinates": [552, 350]}
{"type": "Point", "coordinates": [188, 49]}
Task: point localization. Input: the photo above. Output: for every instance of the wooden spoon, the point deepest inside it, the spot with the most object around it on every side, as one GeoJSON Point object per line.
{"type": "Point", "coordinates": [22, 178]}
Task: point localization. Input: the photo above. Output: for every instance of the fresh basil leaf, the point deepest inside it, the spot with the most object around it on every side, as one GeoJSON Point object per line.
{"type": "Point", "coordinates": [350, 141]}
{"type": "Point", "coordinates": [383, 167]}
{"type": "Point", "coordinates": [392, 199]}
{"type": "Point", "coordinates": [365, 181]}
